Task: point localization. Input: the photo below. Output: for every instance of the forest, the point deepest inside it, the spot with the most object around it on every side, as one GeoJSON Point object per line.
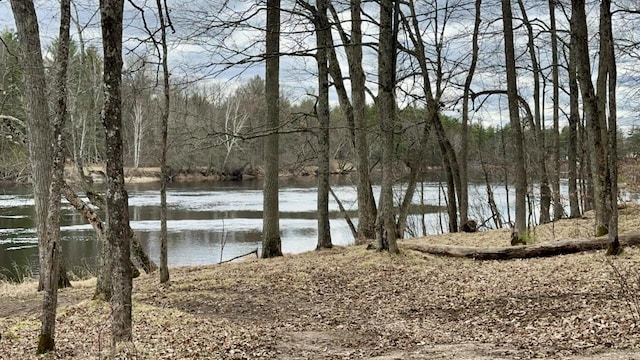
{"type": "Point", "coordinates": [531, 95]}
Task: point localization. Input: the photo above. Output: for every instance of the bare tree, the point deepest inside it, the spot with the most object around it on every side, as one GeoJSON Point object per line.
{"type": "Point", "coordinates": [354, 110]}
{"type": "Point", "coordinates": [520, 230]}
{"type": "Point", "coordinates": [50, 266]}
{"type": "Point", "coordinates": [111, 12]}
{"type": "Point", "coordinates": [595, 106]}
{"type": "Point", "coordinates": [464, 143]}
{"type": "Point", "coordinates": [37, 110]}
{"type": "Point", "coordinates": [323, 40]}
{"type": "Point", "coordinates": [386, 101]}
{"type": "Point", "coordinates": [271, 242]}
{"type": "Point", "coordinates": [164, 267]}
{"type": "Point", "coordinates": [555, 75]}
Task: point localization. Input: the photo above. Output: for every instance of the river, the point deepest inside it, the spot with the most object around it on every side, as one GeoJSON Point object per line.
{"type": "Point", "coordinates": [208, 221]}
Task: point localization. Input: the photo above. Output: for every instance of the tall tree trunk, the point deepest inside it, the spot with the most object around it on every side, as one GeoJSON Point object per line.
{"type": "Point", "coordinates": [271, 243]}
{"type": "Point", "coordinates": [595, 115]}
{"type": "Point", "coordinates": [520, 229]}
{"type": "Point", "coordinates": [355, 112]}
{"type": "Point", "coordinates": [558, 210]}
{"type": "Point", "coordinates": [574, 125]}
{"type": "Point", "coordinates": [543, 175]}
{"type": "Point", "coordinates": [607, 56]}
{"type": "Point", "coordinates": [464, 143]}
{"type": "Point", "coordinates": [50, 266]}
{"type": "Point", "coordinates": [386, 234]}
{"type": "Point", "coordinates": [322, 112]}
{"type": "Point", "coordinates": [164, 169]}
{"type": "Point", "coordinates": [37, 110]}
{"type": "Point", "coordinates": [367, 211]}
{"type": "Point", "coordinates": [111, 13]}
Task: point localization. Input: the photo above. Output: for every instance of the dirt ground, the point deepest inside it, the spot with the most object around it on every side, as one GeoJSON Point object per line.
{"type": "Point", "coordinates": [353, 303]}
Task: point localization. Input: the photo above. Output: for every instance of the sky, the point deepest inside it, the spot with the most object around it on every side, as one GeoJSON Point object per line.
{"type": "Point", "coordinates": [188, 52]}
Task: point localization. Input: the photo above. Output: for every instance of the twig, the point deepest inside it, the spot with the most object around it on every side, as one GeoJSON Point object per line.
{"type": "Point", "coordinates": [255, 251]}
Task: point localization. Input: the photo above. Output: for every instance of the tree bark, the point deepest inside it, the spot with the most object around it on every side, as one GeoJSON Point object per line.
{"type": "Point", "coordinates": [111, 12]}
{"type": "Point", "coordinates": [40, 135]}
{"type": "Point", "coordinates": [355, 112]}
{"type": "Point", "coordinates": [164, 169]}
{"type": "Point", "coordinates": [574, 124]}
{"type": "Point", "coordinates": [464, 143]}
{"type": "Point", "coordinates": [103, 283]}
{"type": "Point", "coordinates": [51, 266]}
{"type": "Point", "coordinates": [271, 243]}
{"type": "Point", "coordinates": [595, 116]}
{"type": "Point", "coordinates": [607, 56]}
{"type": "Point", "coordinates": [558, 209]}
{"type": "Point", "coordinates": [386, 227]}
{"type": "Point", "coordinates": [524, 251]}
{"type": "Point", "coordinates": [322, 112]}
{"type": "Point", "coordinates": [520, 229]}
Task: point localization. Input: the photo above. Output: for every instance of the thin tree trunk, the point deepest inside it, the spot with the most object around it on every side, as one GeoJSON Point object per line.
{"type": "Point", "coordinates": [164, 267]}
{"type": "Point", "coordinates": [403, 213]}
{"type": "Point", "coordinates": [355, 112]}
{"type": "Point", "coordinates": [322, 112]}
{"type": "Point", "coordinates": [50, 267]}
{"type": "Point", "coordinates": [574, 124]}
{"type": "Point", "coordinates": [464, 143]}
{"type": "Point", "coordinates": [545, 191]}
{"type": "Point", "coordinates": [103, 283]}
{"type": "Point", "coordinates": [558, 210]}
{"type": "Point", "coordinates": [111, 13]}
{"type": "Point", "coordinates": [520, 229]}
{"type": "Point", "coordinates": [271, 243]}
{"type": "Point", "coordinates": [367, 210]}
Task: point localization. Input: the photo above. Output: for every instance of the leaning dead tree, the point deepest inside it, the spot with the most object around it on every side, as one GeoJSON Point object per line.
{"type": "Point", "coordinates": [565, 247]}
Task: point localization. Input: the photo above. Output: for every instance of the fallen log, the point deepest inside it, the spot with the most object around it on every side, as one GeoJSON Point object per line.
{"type": "Point", "coordinates": [549, 249]}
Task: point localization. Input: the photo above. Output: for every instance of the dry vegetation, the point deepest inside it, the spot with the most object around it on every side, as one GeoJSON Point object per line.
{"type": "Point", "coordinates": [352, 303]}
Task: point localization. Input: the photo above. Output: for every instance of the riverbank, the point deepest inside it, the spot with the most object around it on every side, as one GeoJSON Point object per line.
{"type": "Point", "coordinates": [349, 303]}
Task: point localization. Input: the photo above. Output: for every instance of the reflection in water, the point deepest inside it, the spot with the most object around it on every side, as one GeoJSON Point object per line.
{"type": "Point", "coordinates": [209, 221]}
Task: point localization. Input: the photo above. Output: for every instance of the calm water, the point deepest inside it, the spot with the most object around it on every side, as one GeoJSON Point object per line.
{"type": "Point", "coordinates": [207, 221]}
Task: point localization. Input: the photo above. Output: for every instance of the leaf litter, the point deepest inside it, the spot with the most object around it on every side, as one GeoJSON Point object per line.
{"type": "Point", "coordinates": [349, 303]}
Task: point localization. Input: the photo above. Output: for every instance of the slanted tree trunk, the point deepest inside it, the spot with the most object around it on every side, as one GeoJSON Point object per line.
{"type": "Point", "coordinates": [520, 229]}
{"type": "Point", "coordinates": [46, 340]}
{"type": "Point", "coordinates": [386, 227]}
{"type": "Point", "coordinates": [103, 282]}
{"type": "Point", "coordinates": [271, 243]}
{"type": "Point", "coordinates": [111, 13]}
{"type": "Point", "coordinates": [322, 112]}
{"type": "Point", "coordinates": [164, 169]}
